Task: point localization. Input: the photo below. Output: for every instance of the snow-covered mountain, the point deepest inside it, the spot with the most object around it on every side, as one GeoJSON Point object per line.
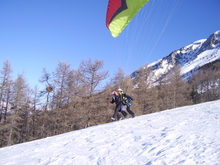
{"type": "Point", "coordinates": [190, 58]}
{"type": "Point", "coordinates": [188, 135]}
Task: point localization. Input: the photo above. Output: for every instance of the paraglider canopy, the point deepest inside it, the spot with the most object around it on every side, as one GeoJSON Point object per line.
{"type": "Point", "coordinates": [120, 13]}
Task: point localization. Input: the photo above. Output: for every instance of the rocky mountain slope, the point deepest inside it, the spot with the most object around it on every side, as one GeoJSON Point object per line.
{"type": "Point", "coordinates": [189, 58]}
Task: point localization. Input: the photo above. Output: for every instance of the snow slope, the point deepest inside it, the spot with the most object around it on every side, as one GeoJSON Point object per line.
{"type": "Point", "coordinates": [187, 136]}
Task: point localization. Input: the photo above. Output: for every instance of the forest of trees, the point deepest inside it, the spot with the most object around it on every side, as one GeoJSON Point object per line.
{"type": "Point", "coordinates": [76, 98]}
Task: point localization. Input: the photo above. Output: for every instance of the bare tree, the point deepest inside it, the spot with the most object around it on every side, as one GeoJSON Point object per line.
{"type": "Point", "coordinates": [61, 75]}
{"type": "Point", "coordinates": [34, 113]}
{"type": "Point", "coordinates": [118, 79]}
{"type": "Point", "coordinates": [19, 100]}
{"type": "Point", "coordinates": [5, 87]}
{"type": "Point", "coordinates": [205, 83]}
{"type": "Point", "coordinates": [46, 78]}
{"type": "Point", "coordinates": [142, 91]}
{"type": "Point", "coordinates": [177, 91]}
{"type": "Point", "coordinates": [91, 76]}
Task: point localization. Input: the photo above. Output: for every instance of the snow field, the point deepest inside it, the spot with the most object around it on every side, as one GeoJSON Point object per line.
{"type": "Point", "coordinates": [188, 135]}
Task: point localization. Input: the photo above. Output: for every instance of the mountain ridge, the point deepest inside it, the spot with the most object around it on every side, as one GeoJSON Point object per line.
{"type": "Point", "coordinates": [190, 58]}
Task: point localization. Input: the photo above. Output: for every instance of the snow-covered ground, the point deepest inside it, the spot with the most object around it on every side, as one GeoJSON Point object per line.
{"type": "Point", "coordinates": [188, 135]}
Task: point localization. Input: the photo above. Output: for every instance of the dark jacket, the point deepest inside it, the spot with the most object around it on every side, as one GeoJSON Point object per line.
{"type": "Point", "coordinates": [116, 99]}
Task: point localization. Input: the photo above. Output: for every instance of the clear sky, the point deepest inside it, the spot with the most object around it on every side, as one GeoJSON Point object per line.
{"type": "Point", "coordinates": [37, 34]}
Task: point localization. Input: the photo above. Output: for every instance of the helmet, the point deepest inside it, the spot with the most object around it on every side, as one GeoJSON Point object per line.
{"type": "Point", "coordinates": [120, 90]}
{"type": "Point", "coordinates": [114, 93]}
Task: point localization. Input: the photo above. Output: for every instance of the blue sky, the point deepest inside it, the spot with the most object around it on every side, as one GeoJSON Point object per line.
{"type": "Point", "coordinates": [37, 34]}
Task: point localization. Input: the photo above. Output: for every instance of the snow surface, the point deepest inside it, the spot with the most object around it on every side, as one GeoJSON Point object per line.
{"type": "Point", "coordinates": [187, 136]}
{"type": "Point", "coordinates": [202, 59]}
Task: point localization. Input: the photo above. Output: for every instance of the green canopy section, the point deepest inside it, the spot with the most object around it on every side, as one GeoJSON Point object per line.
{"type": "Point", "coordinates": [120, 13]}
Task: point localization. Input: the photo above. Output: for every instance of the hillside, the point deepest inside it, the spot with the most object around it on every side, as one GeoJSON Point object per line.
{"type": "Point", "coordinates": [190, 58]}
{"type": "Point", "coordinates": [188, 135]}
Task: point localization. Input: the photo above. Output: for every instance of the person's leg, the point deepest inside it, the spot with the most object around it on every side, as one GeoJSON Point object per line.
{"type": "Point", "coordinates": [129, 111]}
{"type": "Point", "coordinates": [119, 117]}
{"type": "Point", "coordinates": [124, 113]}
{"type": "Point", "coordinates": [116, 114]}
